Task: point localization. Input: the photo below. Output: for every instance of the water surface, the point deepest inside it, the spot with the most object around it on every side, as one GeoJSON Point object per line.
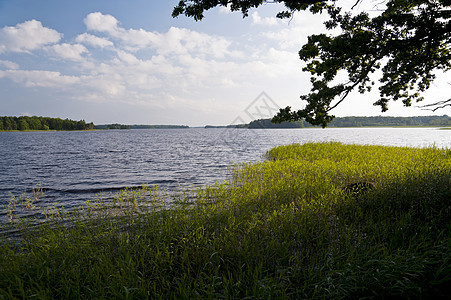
{"type": "Point", "coordinates": [77, 166]}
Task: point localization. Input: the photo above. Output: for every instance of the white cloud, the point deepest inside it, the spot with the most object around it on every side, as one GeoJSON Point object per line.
{"type": "Point", "coordinates": [9, 64]}
{"type": "Point", "coordinates": [226, 9]}
{"type": "Point", "coordinates": [100, 22]}
{"type": "Point", "coordinates": [257, 20]}
{"type": "Point", "coordinates": [294, 32]}
{"type": "Point", "coordinates": [174, 41]}
{"type": "Point", "coordinates": [128, 58]}
{"type": "Point", "coordinates": [70, 51]}
{"type": "Point", "coordinates": [136, 37]}
{"type": "Point", "coordinates": [109, 24]}
{"type": "Point", "coordinates": [183, 41]}
{"type": "Point", "coordinates": [26, 36]}
{"type": "Point", "coordinates": [35, 78]}
{"type": "Point", "coordinates": [107, 85]}
{"type": "Point", "coordinates": [93, 40]}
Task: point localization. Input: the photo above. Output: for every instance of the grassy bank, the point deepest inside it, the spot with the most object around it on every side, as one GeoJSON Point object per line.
{"type": "Point", "coordinates": [283, 228]}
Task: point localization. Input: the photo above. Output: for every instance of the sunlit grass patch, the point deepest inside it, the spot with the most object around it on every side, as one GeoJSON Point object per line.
{"type": "Point", "coordinates": [283, 228]}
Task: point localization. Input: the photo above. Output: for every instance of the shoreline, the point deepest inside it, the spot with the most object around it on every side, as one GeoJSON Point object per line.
{"type": "Point", "coordinates": [350, 127]}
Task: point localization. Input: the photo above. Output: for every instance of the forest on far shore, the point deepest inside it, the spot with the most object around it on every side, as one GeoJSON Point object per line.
{"type": "Point", "coordinates": [25, 123]}
{"type": "Point", "coordinates": [379, 121]}
{"type": "Point", "coordinates": [42, 123]}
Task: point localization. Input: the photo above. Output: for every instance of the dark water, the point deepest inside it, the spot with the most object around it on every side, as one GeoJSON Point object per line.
{"type": "Point", "coordinates": [73, 167]}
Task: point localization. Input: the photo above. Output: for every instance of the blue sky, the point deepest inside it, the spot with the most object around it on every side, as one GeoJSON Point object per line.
{"type": "Point", "coordinates": [117, 61]}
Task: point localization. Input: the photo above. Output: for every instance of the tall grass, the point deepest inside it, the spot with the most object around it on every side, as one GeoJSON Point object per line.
{"type": "Point", "coordinates": [283, 228]}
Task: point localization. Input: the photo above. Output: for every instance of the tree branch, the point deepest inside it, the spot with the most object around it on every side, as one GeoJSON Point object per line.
{"type": "Point", "coordinates": [355, 4]}
{"type": "Point", "coordinates": [350, 88]}
{"type": "Point", "coordinates": [436, 105]}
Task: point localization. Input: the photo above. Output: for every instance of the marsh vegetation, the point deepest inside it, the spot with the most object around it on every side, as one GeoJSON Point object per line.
{"type": "Point", "coordinates": [283, 228]}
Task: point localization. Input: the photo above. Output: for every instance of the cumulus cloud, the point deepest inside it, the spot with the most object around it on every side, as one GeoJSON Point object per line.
{"type": "Point", "coordinates": [174, 41]}
{"type": "Point", "coordinates": [109, 85]}
{"type": "Point", "coordinates": [183, 41]}
{"type": "Point", "coordinates": [93, 40]}
{"type": "Point", "coordinates": [128, 58]}
{"type": "Point", "coordinates": [102, 23]}
{"type": "Point", "coordinates": [226, 9]}
{"type": "Point", "coordinates": [27, 36]}
{"type": "Point", "coordinates": [108, 24]}
{"type": "Point", "coordinates": [36, 78]}
{"type": "Point", "coordinates": [70, 51]}
{"type": "Point", "coordinates": [258, 20]}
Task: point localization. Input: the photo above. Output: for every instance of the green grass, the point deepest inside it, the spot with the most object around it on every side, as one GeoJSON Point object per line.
{"type": "Point", "coordinates": [283, 228]}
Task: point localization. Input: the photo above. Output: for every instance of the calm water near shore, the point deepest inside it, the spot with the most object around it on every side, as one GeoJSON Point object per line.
{"type": "Point", "coordinates": [73, 167]}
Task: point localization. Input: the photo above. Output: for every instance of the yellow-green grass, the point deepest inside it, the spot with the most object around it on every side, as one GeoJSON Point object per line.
{"type": "Point", "coordinates": [282, 228]}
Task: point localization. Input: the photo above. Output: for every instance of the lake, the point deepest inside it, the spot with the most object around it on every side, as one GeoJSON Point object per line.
{"type": "Point", "coordinates": [74, 167]}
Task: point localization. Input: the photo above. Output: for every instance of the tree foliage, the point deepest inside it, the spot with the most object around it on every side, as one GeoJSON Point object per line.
{"type": "Point", "coordinates": [42, 123]}
{"type": "Point", "coordinates": [406, 42]}
{"type": "Point", "coordinates": [196, 8]}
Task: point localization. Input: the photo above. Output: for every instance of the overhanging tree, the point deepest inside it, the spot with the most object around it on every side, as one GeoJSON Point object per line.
{"type": "Point", "coordinates": [407, 41]}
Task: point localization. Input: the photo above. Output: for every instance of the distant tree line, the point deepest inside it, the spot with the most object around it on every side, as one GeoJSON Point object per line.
{"type": "Point", "coordinates": [158, 126]}
{"type": "Point", "coordinates": [361, 122]}
{"type": "Point", "coordinates": [229, 126]}
{"type": "Point", "coordinates": [112, 126]}
{"type": "Point", "coordinates": [121, 126]}
{"type": "Point", "coordinates": [42, 123]}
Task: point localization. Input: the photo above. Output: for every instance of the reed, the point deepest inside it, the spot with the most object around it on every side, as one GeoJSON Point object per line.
{"type": "Point", "coordinates": [283, 228]}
